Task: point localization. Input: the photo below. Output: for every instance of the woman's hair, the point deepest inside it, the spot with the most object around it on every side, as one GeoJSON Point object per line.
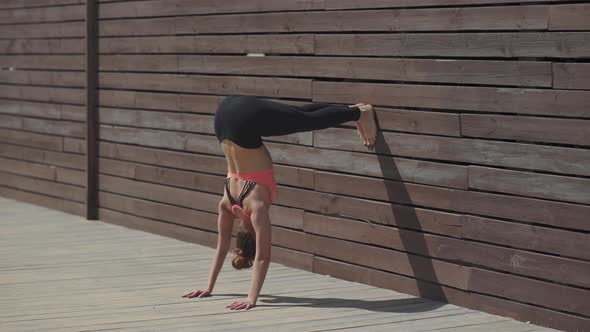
{"type": "Point", "coordinates": [245, 250]}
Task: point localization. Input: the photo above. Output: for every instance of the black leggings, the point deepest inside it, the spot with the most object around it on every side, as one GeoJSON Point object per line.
{"type": "Point", "coordinates": [244, 119]}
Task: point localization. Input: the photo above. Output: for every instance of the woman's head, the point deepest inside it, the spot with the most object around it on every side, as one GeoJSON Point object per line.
{"type": "Point", "coordinates": [245, 250]}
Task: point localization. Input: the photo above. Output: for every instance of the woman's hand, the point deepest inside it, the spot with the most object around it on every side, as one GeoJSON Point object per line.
{"type": "Point", "coordinates": [243, 304]}
{"type": "Point", "coordinates": [198, 293]}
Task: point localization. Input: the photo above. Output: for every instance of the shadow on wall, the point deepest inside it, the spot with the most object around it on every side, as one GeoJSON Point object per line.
{"type": "Point", "coordinates": [423, 269]}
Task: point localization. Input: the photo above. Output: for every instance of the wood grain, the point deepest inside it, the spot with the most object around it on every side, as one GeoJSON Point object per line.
{"type": "Point", "coordinates": [474, 45]}
{"type": "Point", "coordinates": [564, 103]}
{"type": "Point", "coordinates": [442, 19]}
{"type": "Point", "coordinates": [525, 128]}
{"type": "Point", "coordinates": [556, 159]}
{"type": "Point", "coordinates": [555, 187]}
{"type": "Point", "coordinates": [249, 43]}
{"type": "Point", "coordinates": [571, 76]}
{"type": "Point", "coordinates": [569, 17]}
{"type": "Point", "coordinates": [42, 14]}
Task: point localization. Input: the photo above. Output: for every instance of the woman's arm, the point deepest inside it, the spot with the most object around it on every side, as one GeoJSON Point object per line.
{"type": "Point", "coordinates": [225, 223]}
{"type": "Point", "coordinates": [262, 259]}
{"type": "Point", "coordinates": [218, 260]}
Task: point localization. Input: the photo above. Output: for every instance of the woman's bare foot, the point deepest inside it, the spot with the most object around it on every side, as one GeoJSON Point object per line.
{"type": "Point", "coordinates": [367, 125]}
{"type": "Point", "coordinates": [358, 128]}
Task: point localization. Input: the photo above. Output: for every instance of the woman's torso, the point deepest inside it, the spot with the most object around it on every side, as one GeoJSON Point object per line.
{"type": "Point", "coordinates": [241, 160]}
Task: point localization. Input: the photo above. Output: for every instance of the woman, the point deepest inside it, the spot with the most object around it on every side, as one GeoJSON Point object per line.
{"type": "Point", "coordinates": [240, 122]}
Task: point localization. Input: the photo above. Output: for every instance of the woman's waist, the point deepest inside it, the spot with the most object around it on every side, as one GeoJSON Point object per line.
{"type": "Point", "coordinates": [258, 173]}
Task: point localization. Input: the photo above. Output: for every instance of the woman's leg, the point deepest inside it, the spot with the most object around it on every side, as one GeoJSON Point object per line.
{"type": "Point", "coordinates": [282, 119]}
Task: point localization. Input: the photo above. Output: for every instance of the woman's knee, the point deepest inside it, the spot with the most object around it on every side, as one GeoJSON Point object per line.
{"type": "Point", "coordinates": [224, 206]}
{"type": "Point", "coordinates": [259, 207]}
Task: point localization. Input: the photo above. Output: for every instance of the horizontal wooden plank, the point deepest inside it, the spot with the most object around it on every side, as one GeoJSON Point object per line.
{"type": "Point", "coordinates": [427, 269]}
{"type": "Point", "coordinates": [265, 43]}
{"type": "Point", "coordinates": [57, 78]}
{"type": "Point", "coordinates": [566, 103]}
{"type": "Point", "coordinates": [571, 76]}
{"type": "Point", "coordinates": [44, 126]}
{"type": "Point", "coordinates": [559, 188]}
{"type": "Point", "coordinates": [521, 73]}
{"type": "Point", "coordinates": [42, 110]}
{"type": "Point", "coordinates": [178, 232]}
{"type": "Point", "coordinates": [527, 128]}
{"type": "Point", "coordinates": [526, 236]}
{"type": "Point", "coordinates": [362, 4]}
{"type": "Point", "coordinates": [11, 121]}
{"type": "Point", "coordinates": [36, 185]}
{"type": "Point", "coordinates": [292, 258]}
{"type": "Point", "coordinates": [60, 204]}
{"type": "Point", "coordinates": [70, 160]}
{"type": "Point", "coordinates": [532, 210]}
{"type": "Point", "coordinates": [30, 169]}
{"type": "Point", "coordinates": [42, 14]}
{"type": "Point", "coordinates": [36, 3]}
{"type": "Point", "coordinates": [46, 142]}
{"type": "Point", "coordinates": [152, 119]}
{"type": "Point", "coordinates": [44, 46]}
{"type": "Point", "coordinates": [468, 253]}
{"type": "Point", "coordinates": [44, 94]}
{"type": "Point", "coordinates": [182, 7]}
{"type": "Point", "coordinates": [160, 101]}
{"type": "Point", "coordinates": [71, 176]}
{"type": "Point", "coordinates": [243, 85]}
{"type": "Point", "coordinates": [43, 30]}
{"type": "Point", "coordinates": [569, 299]}
{"type": "Point", "coordinates": [69, 62]}
{"type": "Point", "coordinates": [74, 145]}
{"type": "Point", "coordinates": [569, 17]}
{"type": "Point", "coordinates": [573, 161]}
{"type": "Point", "coordinates": [407, 285]}
{"type": "Point", "coordinates": [498, 44]}
{"type": "Point", "coordinates": [440, 19]}
{"type": "Point", "coordinates": [425, 122]}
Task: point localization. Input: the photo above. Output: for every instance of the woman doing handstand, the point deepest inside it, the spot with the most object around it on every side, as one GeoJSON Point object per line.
{"type": "Point", "coordinates": [240, 122]}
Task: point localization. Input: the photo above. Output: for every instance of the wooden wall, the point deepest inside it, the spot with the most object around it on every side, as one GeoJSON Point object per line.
{"type": "Point", "coordinates": [42, 111]}
{"type": "Point", "coordinates": [478, 192]}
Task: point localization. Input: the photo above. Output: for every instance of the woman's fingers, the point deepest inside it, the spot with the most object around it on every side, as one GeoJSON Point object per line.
{"type": "Point", "coordinates": [188, 294]}
{"type": "Point", "coordinates": [200, 293]}
{"type": "Point", "coordinates": [238, 305]}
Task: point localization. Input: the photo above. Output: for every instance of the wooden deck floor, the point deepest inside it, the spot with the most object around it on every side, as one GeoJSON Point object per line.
{"type": "Point", "coordinates": [60, 272]}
